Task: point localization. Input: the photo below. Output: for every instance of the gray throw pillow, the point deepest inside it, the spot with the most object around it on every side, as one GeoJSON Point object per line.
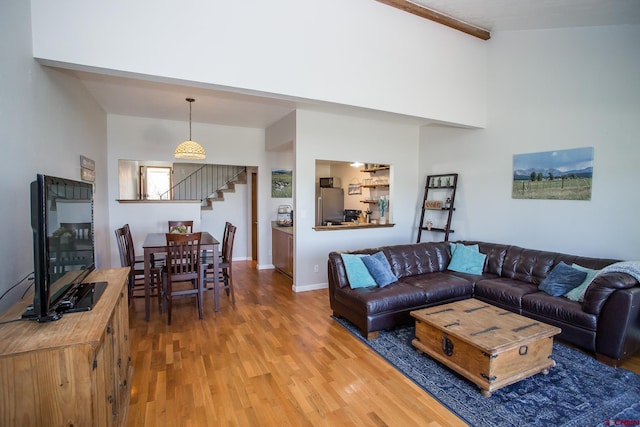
{"type": "Point", "coordinates": [380, 269]}
{"type": "Point", "coordinates": [562, 279]}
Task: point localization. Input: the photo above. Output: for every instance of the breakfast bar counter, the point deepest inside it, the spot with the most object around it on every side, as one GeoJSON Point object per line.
{"type": "Point", "coordinates": [350, 226]}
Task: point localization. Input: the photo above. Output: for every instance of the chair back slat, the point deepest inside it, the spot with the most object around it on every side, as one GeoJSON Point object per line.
{"type": "Point", "coordinates": [227, 246]}
{"type": "Point", "coordinates": [121, 239]}
{"type": "Point", "coordinates": [227, 226]}
{"type": "Point", "coordinates": [183, 254]}
{"type": "Point", "coordinates": [131, 251]}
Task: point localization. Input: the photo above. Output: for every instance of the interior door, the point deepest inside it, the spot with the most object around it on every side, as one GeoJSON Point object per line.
{"type": "Point", "coordinates": [254, 216]}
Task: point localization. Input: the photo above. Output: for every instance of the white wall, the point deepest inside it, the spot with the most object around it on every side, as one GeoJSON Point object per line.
{"type": "Point", "coordinates": [358, 52]}
{"type": "Point", "coordinates": [137, 138]}
{"type": "Point", "coordinates": [279, 142]}
{"type": "Point", "coordinates": [322, 136]}
{"type": "Point", "coordinates": [47, 121]}
{"type": "Point", "coordinates": [548, 90]}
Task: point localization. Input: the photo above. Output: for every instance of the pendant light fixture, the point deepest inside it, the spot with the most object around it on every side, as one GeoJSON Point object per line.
{"type": "Point", "coordinates": [190, 149]}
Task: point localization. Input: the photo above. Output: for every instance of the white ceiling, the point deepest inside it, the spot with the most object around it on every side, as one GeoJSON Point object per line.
{"type": "Point", "coordinates": [162, 100]}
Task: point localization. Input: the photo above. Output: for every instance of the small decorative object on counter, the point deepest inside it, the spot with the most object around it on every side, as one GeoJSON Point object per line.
{"type": "Point", "coordinates": [429, 224]}
{"type": "Point", "coordinates": [285, 216]}
{"type": "Point", "coordinates": [439, 182]}
{"type": "Point", "coordinates": [383, 203]}
{"type": "Point", "coordinates": [431, 183]}
{"type": "Point", "coordinates": [447, 203]}
{"type": "Point", "coordinates": [448, 182]}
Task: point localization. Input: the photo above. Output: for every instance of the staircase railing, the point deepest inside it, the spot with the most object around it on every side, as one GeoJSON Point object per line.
{"type": "Point", "coordinates": [204, 182]}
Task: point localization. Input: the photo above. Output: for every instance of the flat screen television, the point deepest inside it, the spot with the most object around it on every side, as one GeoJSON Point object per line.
{"type": "Point", "coordinates": [63, 248]}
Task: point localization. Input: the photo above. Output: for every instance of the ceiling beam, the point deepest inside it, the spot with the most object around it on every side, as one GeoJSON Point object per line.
{"type": "Point", "coordinates": [431, 15]}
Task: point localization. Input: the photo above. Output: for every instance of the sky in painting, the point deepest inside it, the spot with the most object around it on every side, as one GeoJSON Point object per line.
{"type": "Point", "coordinates": [562, 160]}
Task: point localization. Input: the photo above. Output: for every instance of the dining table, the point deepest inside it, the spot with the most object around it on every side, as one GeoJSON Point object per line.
{"type": "Point", "coordinates": [157, 243]}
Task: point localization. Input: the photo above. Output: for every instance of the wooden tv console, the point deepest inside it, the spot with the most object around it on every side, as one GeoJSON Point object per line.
{"type": "Point", "coordinates": [72, 372]}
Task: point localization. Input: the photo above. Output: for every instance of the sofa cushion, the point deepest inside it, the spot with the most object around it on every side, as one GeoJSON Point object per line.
{"type": "Point", "coordinates": [495, 255]}
{"type": "Point", "coordinates": [562, 279]}
{"type": "Point", "coordinates": [418, 258]}
{"type": "Point", "coordinates": [466, 259]}
{"type": "Point", "coordinates": [442, 286]}
{"type": "Point", "coordinates": [374, 300]}
{"type": "Point", "coordinates": [528, 265]}
{"type": "Point", "coordinates": [379, 267]}
{"type": "Point", "coordinates": [558, 310]}
{"type": "Point", "coordinates": [503, 292]}
{"type": "Point", "coordinates": [357, 272]}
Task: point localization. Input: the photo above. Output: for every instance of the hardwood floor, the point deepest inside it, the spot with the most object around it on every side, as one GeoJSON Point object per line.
{"type": "Point", "coordinates": [276, 358]}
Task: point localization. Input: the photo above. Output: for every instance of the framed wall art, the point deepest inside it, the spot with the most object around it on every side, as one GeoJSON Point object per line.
{"type": "Point", "coordinates": [559, 175]}
{"type": "Point", "coordinates": [355, 189]}
{"type": "Point", "coordinates": [281, 183]}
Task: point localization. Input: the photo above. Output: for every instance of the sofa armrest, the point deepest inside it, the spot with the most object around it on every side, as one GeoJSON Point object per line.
{"type": "Point", "coordinates": [619, 325]}
{"type": "Point", "coordinates": [602, 287]}
{"type": "Point", "coordinates": [337, 274]}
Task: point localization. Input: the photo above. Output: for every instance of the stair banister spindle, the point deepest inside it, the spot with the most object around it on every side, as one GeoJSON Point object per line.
{"type": "Point", "coordinates": [204, 183]}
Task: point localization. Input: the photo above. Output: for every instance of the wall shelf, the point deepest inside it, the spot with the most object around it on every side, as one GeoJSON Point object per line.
{"type": "Point", "coordinates": [376, 169]}
{"type": "Point", "coordinates": [438, 198]}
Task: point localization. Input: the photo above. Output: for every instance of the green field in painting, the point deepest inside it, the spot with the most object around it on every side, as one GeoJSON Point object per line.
{"type": "Point", "coordinates": [567, 189]}
{"type": "Point", "coordinates": [281, 184]}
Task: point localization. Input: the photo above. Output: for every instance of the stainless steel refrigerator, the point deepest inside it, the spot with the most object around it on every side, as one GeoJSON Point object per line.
{"type": "Point", "coordinates": [330, 205]}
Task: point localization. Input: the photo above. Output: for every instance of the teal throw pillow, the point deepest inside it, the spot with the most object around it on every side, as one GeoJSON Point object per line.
{"type": "Point", "coordinates": [357, 272]}
{"type": "Point", "coordinates": [562, 279]}
{"type": "Point", "coordinates": [467, 259]}
{"type": "Point", "coordinates": [380, 269]}
{"type": "Point", "coordinates": [577, 293]}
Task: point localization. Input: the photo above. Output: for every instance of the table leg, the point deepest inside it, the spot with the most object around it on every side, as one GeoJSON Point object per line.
{"type": "Point", "coordinates": [147, 284]}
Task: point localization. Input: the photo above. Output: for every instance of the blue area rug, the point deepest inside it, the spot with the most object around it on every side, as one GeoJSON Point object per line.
{"type": "Point", "coordinates": [578, 391]}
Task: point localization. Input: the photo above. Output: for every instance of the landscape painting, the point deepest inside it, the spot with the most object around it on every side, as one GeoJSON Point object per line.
{"type": "Point", "coordinates": [281, 183]}
{"type": "Point", "coordinates": [561, 174]}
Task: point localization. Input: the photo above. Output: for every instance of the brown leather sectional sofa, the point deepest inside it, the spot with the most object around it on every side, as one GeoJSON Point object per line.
{"type": "Point", "coordinates": [607, 322]}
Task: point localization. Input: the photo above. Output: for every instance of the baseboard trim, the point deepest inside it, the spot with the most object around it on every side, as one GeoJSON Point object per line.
{"type": "Point", "coordinates": [311, 287]}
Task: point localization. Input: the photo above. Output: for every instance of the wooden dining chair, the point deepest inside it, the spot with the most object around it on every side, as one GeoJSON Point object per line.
{"type": "Point", "coordinates": [225, 236]}
{"type": "Point", "coordinates": [181, 275]}
{"type": "Point", "coordinates": [136, 272]}
{"type": "Point", "coordinates": [180, 226]}
{"type": "Point", "coordinates": [225, 271]}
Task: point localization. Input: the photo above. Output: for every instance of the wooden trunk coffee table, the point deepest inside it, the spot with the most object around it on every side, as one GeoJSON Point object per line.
{"type": "Point", "coordinates": [487, 345]}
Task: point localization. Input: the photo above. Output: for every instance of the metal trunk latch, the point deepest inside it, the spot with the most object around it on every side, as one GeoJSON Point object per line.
{"type": "Point", "coordinates": [447, 345]}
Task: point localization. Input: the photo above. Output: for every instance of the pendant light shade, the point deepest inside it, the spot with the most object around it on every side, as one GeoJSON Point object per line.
{"type": "Point", "coordinates": [190, 149]}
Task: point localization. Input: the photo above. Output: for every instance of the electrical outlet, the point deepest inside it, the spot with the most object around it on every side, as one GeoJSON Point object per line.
{"type": "Point", "coordinates": [315, 268]}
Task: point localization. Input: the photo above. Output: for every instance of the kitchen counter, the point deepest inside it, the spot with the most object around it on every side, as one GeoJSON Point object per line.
{"type": "Point", "coordinates": [284, 228]}
{"type": "Point", "coordinates": [282, 248]}
{"type": "Point", "coordinates": [350, 226]}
